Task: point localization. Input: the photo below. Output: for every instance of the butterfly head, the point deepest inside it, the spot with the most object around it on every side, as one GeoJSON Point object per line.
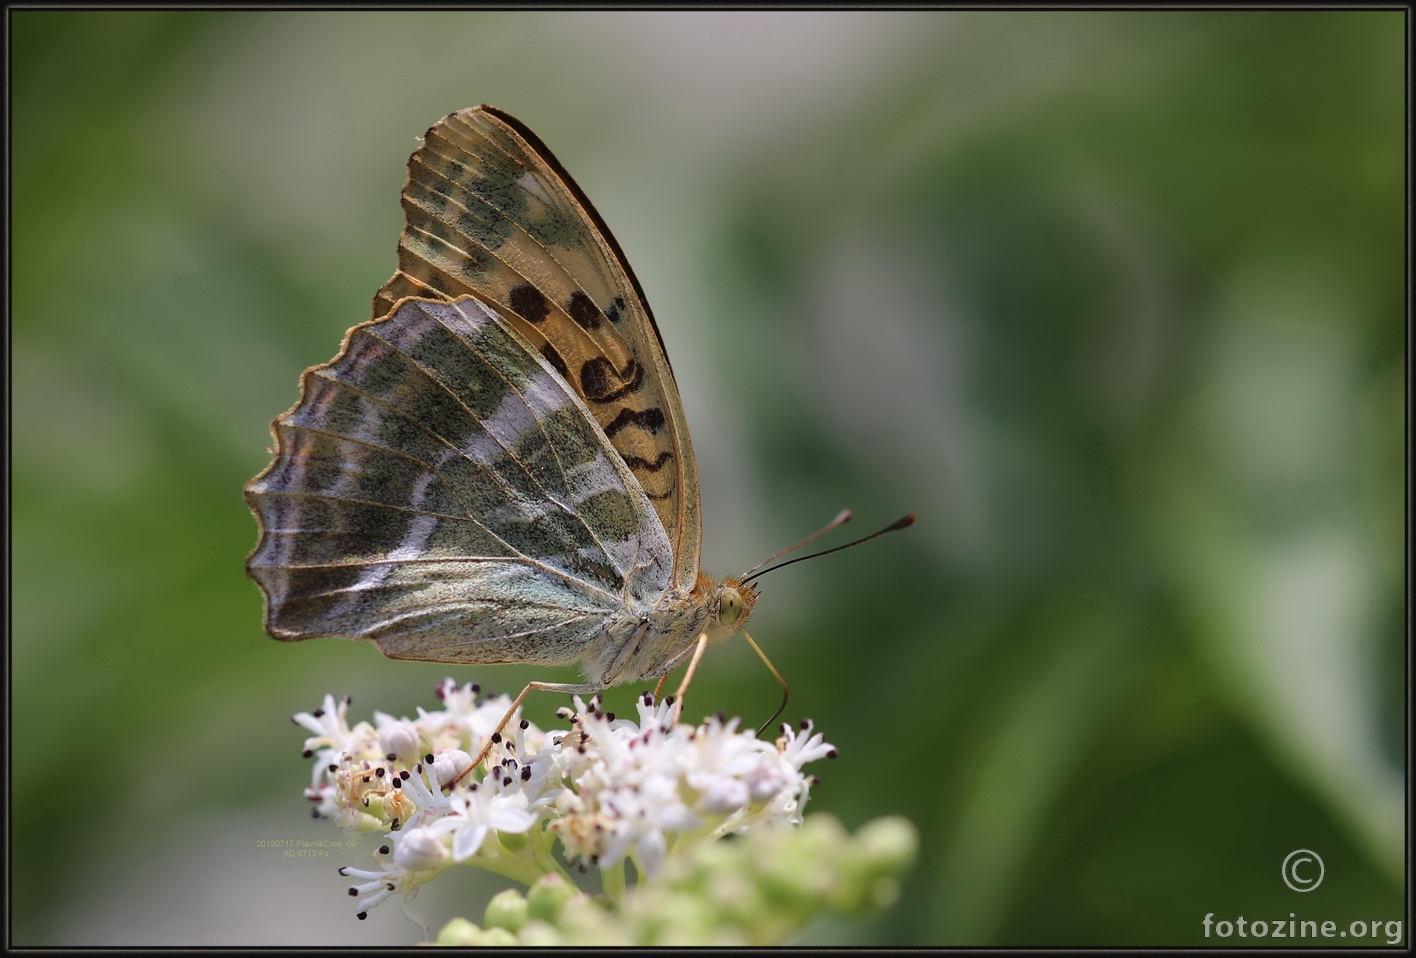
{"type": "Point", "coordinates": [730, 603]}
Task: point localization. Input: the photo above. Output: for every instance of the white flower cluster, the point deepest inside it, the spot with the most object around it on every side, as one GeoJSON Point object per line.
{"type": "Point", "coordinates": [609, 789]}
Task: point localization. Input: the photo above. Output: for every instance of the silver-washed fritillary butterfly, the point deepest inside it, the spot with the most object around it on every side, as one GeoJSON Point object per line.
{"type": "Point", "coordinates": [496, 468]}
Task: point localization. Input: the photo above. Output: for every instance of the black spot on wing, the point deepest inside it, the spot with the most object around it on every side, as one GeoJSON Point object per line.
{"type": "Point", "coordinates": [557, 362]}
{"type": "Point", "coordinates": [529, 303]}
{"type": "Point", "coordinates": [650, 419]}
{"type": "Point", "coordinates": [616, 311]}
{"type": "Point", "coordinates": [584, 311]}
{"type": "Point", "coordinates": [600, 382]}
{"type": "Point", "coordinates": [635, 462]}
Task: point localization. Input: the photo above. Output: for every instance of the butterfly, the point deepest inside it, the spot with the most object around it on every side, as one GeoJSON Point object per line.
{"type": "Point", "coordinates": [496, 468]}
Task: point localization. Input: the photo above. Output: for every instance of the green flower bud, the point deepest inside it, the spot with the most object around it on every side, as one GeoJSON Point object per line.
{"type": "Point", "coordinates": [512, 841]}
{"type": "Point", "coordinates": [584, 922]}
{"type": "Point", "coordinates": [498, 938]}
{"type": "Point", "coordinates": [507, 909]}
{"type": "Point", "coordinates": [547, 896]}
{"type": "Point", "coordinates": [538, 934]}
{"type": "Point", "coordinates": [671, 918]}
{"type": "Point", "coordinates": [889, 845]}
{"type": "Point", "coordinates": [460, 933]}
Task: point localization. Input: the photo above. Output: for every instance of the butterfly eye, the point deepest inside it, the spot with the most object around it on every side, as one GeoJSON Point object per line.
{"type": "Point", "coordinates": [729, 606]}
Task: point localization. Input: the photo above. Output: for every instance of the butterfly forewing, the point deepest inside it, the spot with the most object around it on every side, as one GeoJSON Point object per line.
{"type": "Point", "coordinates": [491, 213]}
{"type": "Point", "coordinates": [440, 490]}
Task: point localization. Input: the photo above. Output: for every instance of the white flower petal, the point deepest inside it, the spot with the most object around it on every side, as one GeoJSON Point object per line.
{"type": "Point", "coordinates": [468, 841]}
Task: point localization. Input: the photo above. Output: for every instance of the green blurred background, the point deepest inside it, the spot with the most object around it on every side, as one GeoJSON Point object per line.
{"type": "Point", "coordinates": [1113, 301]}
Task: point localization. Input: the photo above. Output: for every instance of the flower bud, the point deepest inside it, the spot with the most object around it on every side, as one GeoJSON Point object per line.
{"type": "Point", "coordinates": [420, 850]}
{"type": "Point", "coordinates": [400, 738]}
{"type": "Point", "coordinates": [507, 909]}
{"type": "Point", "coordinates": [547, 896]}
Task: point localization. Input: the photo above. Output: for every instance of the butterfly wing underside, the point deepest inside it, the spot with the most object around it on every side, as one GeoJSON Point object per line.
{"type": "Point", "coordinates": [439, 490]}
{"type": "Point", "coordinates": [490, 212]}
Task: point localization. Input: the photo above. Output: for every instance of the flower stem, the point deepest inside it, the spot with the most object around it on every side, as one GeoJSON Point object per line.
{"type": "Point", "coordinates": [514, 867]}
{"type": "Point", "coordinates": [541, 842]}
{"type": "Point", "coordinates": [612, 879]}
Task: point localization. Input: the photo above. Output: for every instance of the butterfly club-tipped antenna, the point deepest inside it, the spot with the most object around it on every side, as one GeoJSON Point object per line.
{"type": "Point", "coordinates": [842, 517]}
{"type": "Point", "coordinates": [756, 571]}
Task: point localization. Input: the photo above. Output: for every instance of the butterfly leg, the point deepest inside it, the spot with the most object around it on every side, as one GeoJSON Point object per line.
{"type": "Point", "coordinates": [531, 687]}
{"type": "Point", "coordinates": [698, 648]}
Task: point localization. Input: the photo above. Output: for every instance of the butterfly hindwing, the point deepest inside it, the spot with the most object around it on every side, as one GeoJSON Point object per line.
{"type": "Point", "coordinates": [439, 490]}
{"type": "Point", "coordinates": [490, 212]}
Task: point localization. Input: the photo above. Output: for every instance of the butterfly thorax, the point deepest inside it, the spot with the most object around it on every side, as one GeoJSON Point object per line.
{"type": "Point", "coordinates": [655, 643]}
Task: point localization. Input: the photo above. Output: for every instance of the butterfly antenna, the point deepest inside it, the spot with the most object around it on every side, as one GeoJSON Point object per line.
{"type": "Point", "coordinates": [778, 675]}
{"type": "Point", "coordinates": [902, 523]}
{"type": "Point", "coordinates": [842, 517]}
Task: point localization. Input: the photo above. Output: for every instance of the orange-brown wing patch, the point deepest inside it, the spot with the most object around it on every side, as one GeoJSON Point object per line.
{"type": "Point", "coordinates": [489, 211]}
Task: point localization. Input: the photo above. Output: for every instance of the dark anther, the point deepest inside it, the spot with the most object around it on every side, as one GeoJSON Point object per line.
{"type": "Point", "coordinates": [496, 738]}
{"type": "Point", "coordinates": [308, 753]}
{"type": "Point", "coordinates": [526, 774]}
{"type": "Point", "coordinates": [318, 713]}
{"type": "Point", "coordinates": [525, 725]}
